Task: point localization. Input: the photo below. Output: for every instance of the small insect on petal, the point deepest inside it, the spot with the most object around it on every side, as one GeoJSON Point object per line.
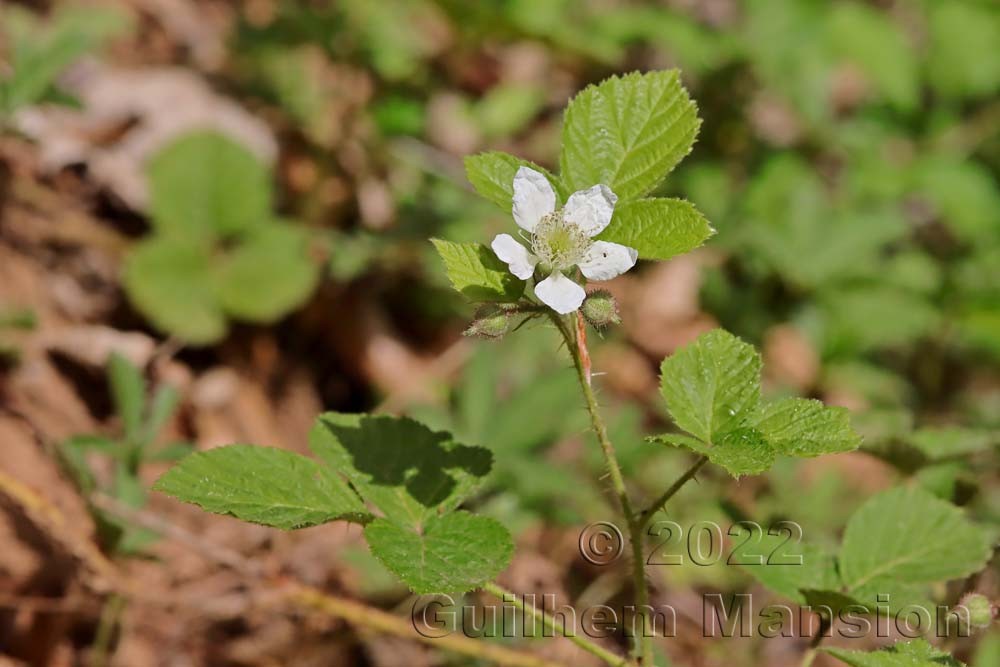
{"type": "Point", "coordinates": [605, 260]}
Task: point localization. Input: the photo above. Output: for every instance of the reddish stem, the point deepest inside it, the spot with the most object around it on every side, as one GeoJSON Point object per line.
{"type": "Point", "coordinates": [581, 344]}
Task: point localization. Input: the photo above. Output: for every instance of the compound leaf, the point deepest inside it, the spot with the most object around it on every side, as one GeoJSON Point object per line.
{"type": "Point", "coordinates": [262, 485]}
{"type": "Point", "coordinates": [628, 133]}
{"type": "Point", "coordinates": [476, 272]}
{"type": "Point", "coordinates": [454, 553]}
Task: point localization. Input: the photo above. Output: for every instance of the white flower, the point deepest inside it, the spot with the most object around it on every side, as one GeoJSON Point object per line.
{"type": "Point", "coordinates": [560, 240]}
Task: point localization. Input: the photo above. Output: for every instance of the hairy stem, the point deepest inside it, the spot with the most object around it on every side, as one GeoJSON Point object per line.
{"type": "Point", "coordinates": [657, 504]}
{"type": "Point", "coordinates": [506, 596]}
{"type": "Point", "coordinates": [576, 343]}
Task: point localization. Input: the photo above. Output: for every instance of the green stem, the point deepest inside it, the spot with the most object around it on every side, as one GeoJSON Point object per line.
{"type": "Point", "coordinates": [506, 596]}
{"type": "Point", "coordinates": [810, 654]}
{"type": "Point", "coordinates": [657, 504]}
{"type": "Point", "coordinates": [101, 649]}
{"type": "Point", "coordinates": [577, 346]}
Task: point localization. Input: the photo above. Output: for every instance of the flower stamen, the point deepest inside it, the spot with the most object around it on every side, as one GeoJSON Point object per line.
{"type": "Point", "coordinates": [559, 244]}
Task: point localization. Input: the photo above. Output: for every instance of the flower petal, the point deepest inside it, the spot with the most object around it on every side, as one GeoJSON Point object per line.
{"type": "Point", "coordinates": [519, 260]}
{"type": "Point", "coordinates": [591, 209]}
{"type": "Point", "coordinates": [605, 260]}
{"type": "Point", "coordinates": [560, 293]}
{"type": "Point", "coordinates": [534, 198]}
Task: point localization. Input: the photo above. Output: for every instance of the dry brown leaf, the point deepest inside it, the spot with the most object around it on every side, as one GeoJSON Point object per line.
{"type": "Point", "coordinates": [127, 116]}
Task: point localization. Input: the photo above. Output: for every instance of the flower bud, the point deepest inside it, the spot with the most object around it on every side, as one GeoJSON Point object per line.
{"type": "Point", "coordinates": [601, 309]}
{"type": "Point", "coordinates": [981, 612]}
{"type": "Point", "coordinates": [491, 321]}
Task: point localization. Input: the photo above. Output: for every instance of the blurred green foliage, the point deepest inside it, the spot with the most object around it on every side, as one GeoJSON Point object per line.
{"type": "Point", "coordinates": [111, 464]}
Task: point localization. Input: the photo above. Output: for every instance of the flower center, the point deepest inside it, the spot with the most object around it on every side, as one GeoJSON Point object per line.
{"type": "Point", "coordinates": [557, 243]}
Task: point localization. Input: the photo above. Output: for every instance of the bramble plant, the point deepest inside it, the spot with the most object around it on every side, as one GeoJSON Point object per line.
{"type": "Point", "coordinates": [217, 251]}
{"type": "Point", "coordinates": [407, 484]}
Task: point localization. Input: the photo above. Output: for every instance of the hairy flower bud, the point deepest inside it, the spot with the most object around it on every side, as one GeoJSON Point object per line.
{"type": "Point", "coordinates": [981, 611]}
{"type": "Point", "coordinates": [491, 321]}
{"type": "Point", "coordinates": [601, 309]}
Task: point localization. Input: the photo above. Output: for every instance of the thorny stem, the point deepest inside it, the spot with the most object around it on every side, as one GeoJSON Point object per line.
{"type": "Point", "coordinates": [648, 513]}
{"type": "Point", "coordinates": [506, 596]}
{"type": "Point", "coordinates": [576, 343]}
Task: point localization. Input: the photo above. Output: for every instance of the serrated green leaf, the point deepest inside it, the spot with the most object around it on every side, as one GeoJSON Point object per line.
{"type": "Point", "coordinates": [917, 653]}
{"type": "Point", "coordinates": [262, 485]}
{"type": "Point", "coordinates": [454, 553]}
{"type": "Point", "coordinates": [627, 132]}
{"type": "Point", "coordinates": [169, 281]}
{"type": "Point", "coordinates": [743, 451]}
{"type": "Point", "coordinates": [267, 275]}
{"type": "Point", "coordinates": [658, 228]}
{"type": "Point", "coordinates": [204, 185]}
{"type": "Point", "coordinates": [905, 537]}
{"type": "Point", "coordinates": [806, 427]}
{"type": "Point", "coordinates": [400, 466]}
{"type": "Point", "coordinates": [492, 175]}
{"type": "Point", "coordinates": [712, 386]}
{"type": "Point", "coordinates": [477, 273]}
{"type": "Point", "coordinates": [128, 391]}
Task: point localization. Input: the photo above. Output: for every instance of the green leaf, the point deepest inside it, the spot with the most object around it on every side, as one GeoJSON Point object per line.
{"type": "Point", "coordinates": [988, 653]}
{"type": "Point", "coordinates": [743, 451]}
{"type": "Point", "coordinates": [41, 51]}
{"type": "Point", "coordinates": [917, 653]}
{"type": "Point", "coordinates": [492, 175]}
{"type": "Point", "coordinates": [400, 466]}
{"type": "Point", "coordinates": [658, 228]}
{"type": "Point", "coordinates": [161, 407]}
{"type": "Point", "coordinates": [712, 386]}
{"type": "Point", "coordinates": [262, 485]}
{"type": "Point", "coordinates": [868, 39]}
{"type": "Point", "coordinates": [782, 564]}
{"type": "Point", "coordinates": [806, 427]}
{"type": "Point", "coordinates": [628, 133]}
{"type": "Point", "coordinates": [169, 281]}
{"type": "Point", "coordinates": [454, 553]}
{"type": "Point", "coordinates": [960, 33]}
{"type": "Point", "coordinates": [128, 391]}
{"type": "Point", "coordinates": [938, 443]}
{"type": "Point", "coordinates": [73, 453]}
{"type": "Point", "coordinates": [205, 185]}
{"type": "Point", "coordinates": [476, 272]}
{"type": "Point", "coordinates": [267, 275]}
{"type": "Point", "coordinates": [173, 451]}
{"type": "Point", "coordinates": [906, 536]}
